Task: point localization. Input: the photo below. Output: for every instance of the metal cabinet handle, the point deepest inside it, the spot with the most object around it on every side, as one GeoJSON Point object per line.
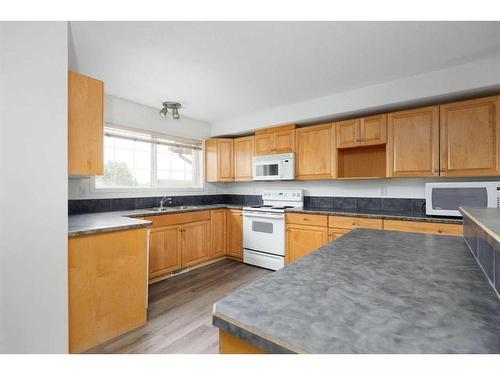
{"type": "Point", "coordinates": [440, 230]}
{"type": "Point", "coordinates": [443, 169]}
{"type": "Point", "coordinates": [361, 139]}
{"type": "Point", "coordinates": [436, 170]}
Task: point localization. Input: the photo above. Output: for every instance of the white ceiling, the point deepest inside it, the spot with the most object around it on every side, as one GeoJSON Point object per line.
{"type": "Point", "coordinates": [220, 70]}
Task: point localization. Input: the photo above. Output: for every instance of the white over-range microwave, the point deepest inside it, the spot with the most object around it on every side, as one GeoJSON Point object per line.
{"type": "Point", "coordinates": [444, 198]}
{"type": "Point", "coordinates": [274, 167]}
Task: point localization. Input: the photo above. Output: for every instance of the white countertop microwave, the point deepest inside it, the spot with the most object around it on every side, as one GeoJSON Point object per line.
{"type": "Point", "coordinates": [444, 198]}
{"type": "Point", "coordinates": [274, 167]}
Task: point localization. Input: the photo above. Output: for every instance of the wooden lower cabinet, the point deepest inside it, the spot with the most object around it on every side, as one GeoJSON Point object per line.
{"type": "Point", "coordinates": [218, 223]}
{"type": "Point", "coordinates": [107, 286]}
{"type": "Point", "coordinates": [335, 233]}
{"type": "Point", "coordinates": [164, 250]}
{"type": "Point", "coordinates": [229, 344]}
{"type": "Point", "coordinates": [234, 234]}
{"type": "Point", "coordinates": [302, 239]}
{"type": "Point", "coordinates": [195, 243]}
{"type": "Point", "coordinates": [424, 227]}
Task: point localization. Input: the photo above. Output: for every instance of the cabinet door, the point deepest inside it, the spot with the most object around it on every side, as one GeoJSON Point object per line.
{"type": "Point", "coordinates": [211, 163]}
{"type": "Point", "coordinates": [264, 144]}
{"type": "Point", "coordinates": [107, 291]}
{"type": "Point", "coordinates": [234, 234]}
{"type": "Point", "coordinates": [348, 133]}
{"type": "Point", "coordinates": [164, 250]}
{"type": "Point", "coordinates": [85, 125]}
{"type": "Point", "coordinates": [469, 139]}
{"type": "Point", "coordinates": [335, 234]}
{"type": "Point", "coordinates": [218, 222]}
{"type": "Point", "coordinates": [302, 239]}
{"type": "Point", "coordinates": [316, 152]}
{"type": "Point", "coordinates": [196, 243]}
{"type": "Point", "coordinates": [225, 159]}
{"type": "Point", "coordinates": [243, 153]}
{"type": "Point", "coordinates": [413, 143]}
{"type": "Point", "coordinates": [373, 130]}
{"type": "Point", "coordinates": [284, 141]}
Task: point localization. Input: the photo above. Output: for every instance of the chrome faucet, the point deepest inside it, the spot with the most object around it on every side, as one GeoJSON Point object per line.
{"type": "Point", "coordinates": [165, 199]}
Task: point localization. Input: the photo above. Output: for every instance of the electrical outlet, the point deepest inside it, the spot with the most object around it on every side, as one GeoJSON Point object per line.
{"type": "Point", "coordinates": [383, 191]}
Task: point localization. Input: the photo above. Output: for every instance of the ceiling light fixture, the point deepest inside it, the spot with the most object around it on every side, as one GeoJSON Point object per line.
{"type": "Point", "coordinates": [174, 106]}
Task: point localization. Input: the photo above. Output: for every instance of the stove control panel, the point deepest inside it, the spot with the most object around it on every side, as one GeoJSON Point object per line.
{"type": "Point", "coordinates": [283, 195]}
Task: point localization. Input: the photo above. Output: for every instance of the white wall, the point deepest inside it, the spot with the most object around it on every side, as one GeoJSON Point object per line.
{"type": "Point", "coordinates": [386, 188]}
{"type": "Point", "coordinates": [478, 76]}
{"type": "Point", "coordinates": [126, 113]}
{"type": "Point", "coordinates": [33, 213]}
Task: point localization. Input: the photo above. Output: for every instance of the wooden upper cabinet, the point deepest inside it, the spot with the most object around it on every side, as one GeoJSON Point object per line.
{"type": "Point", "coordinates": [264, 144]}
{"type": "Point", "coordinates": [85, 125]}
{"type": "Point", "coordinates": [469, 140]}
{"type": "Point", "coordinates": [234, 234]}
{"type": "Point", "coordinates": [366, 131]}
{"type": "Point", "coordinates": [164, 250]}
{"type": "Point", "coordinates": [219, 160]}
{"type": "Point", "coordinates": [218, 222]}
{"type": "Point", "coordinates": [196, 243]}
{"type": "Point", "coordinates": [373, 130]}
{"type": "Point", "coordinates": [284, 141]}
{"type": "Point", "coordinates": [315, 152]}
{"type": "Point", "coordinates": [413, 143]}
{"type": "Point", "coordinates": [348, 133]}
{"type": "Point", "coordinates": [243, 154]}
{"type": "Point", "coordinates": [276, 140]}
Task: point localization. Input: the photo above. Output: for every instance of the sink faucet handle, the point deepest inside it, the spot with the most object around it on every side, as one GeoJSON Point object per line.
{"type": "Point", "coordinates": [165, 199]}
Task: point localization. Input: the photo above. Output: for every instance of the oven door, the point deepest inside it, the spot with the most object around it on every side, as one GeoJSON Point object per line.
{"type": "Point", "coordinates": [267, 170]}
{"type": "Point", "coordinates": [264, 231]}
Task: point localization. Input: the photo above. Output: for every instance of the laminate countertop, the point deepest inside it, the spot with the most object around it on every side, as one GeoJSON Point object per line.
{"type": "Point", "coordinates": [379, 214]}
{"type": "Point", "coordinates": [121, 220]}
{"type": "Point", "coordinates": [370, 291]}
{"type": "Point", "coordinates": [487, 218]}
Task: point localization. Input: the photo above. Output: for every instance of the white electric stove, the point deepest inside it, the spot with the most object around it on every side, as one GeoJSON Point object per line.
{"type": "Point", "coordinates": [264, 228]}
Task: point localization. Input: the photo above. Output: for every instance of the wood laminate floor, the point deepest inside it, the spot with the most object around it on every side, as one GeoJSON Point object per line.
{"type": "Point", "coordinates": [180, 311]}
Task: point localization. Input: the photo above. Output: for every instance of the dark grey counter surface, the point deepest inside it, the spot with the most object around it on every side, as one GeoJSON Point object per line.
{"type": "Point", "coordinates": [380, 214]}
{"type": "Point", "coordinates": [371, 291]}
{"type": "Point", "coordinates": [120, 220]}
{"type": "Point", "coordinates": [487, 218]}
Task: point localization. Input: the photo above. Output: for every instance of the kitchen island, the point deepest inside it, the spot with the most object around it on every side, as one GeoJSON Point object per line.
{"type": "Point", "coordinates": [370, 291]}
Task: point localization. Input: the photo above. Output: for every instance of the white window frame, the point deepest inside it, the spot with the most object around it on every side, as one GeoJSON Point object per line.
{"type": "Point", "coordinates": [93, 189]}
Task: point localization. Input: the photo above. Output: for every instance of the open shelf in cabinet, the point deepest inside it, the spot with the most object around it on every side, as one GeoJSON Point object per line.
{"type": "Point", "coordinates": [362, 162]}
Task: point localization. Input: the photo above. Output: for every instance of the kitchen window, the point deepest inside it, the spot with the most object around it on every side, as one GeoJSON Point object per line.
{"type": "Point", "coordinates": [136, 160]}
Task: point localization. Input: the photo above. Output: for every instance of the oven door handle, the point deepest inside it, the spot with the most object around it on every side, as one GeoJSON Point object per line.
{"type": "Point", "coordinates": [264, 216]}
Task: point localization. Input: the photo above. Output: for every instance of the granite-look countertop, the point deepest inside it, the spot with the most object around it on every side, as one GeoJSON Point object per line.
{"type": "Point", "coordinates": [487, 218]}
{"type": "Point", "coordinates": [395, 215]}
{"type": "Point", "coordinates": [120, 220]}
{"type": "Point", "coordinates": [370, 291]}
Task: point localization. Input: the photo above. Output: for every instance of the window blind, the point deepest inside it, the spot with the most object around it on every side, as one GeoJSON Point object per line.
{"type": "Point", "coordinates": [116, 131]}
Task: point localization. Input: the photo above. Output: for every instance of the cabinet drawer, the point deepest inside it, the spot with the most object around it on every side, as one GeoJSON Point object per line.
{"type": "Point", "coordinates": [347, 222]}
{"type": "Point", "coordinates": [180, 218]}
{"type": "Point", "coordinates": [305, 219]}
{"type": "Point", "coordinates": [423, 227]}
